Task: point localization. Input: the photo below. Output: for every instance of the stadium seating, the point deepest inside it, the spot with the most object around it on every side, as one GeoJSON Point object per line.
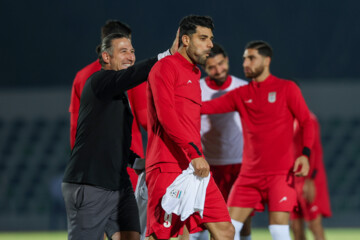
{"type": "Point", "coordinates": [33, 155]}
{"type": "Point", "coordinates": [33, 158]}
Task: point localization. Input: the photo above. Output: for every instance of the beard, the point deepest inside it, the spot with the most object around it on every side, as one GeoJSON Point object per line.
{"type": "Point", "coordinates": [254, 74]}
{"type": "Point", "coordinates": [202, 59]}
{"type": "Point", "coordinates": [196, 57]}
{"type": "Point", "coordinates": [221, 78]}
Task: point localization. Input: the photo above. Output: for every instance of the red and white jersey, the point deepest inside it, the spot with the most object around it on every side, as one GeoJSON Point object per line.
{"type": "Point", "coordinates": [267, 112]}
{"type": "Point", "coordinates": [174, 103]}
{"type": "Point", "coordinates": [221, 134]}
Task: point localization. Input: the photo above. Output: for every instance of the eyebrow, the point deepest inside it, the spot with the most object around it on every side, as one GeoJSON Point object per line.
{"type": "Point", "coordinates": [204, 35]}
{"type": "Point", "coordinates": [131, 49]}
{"type": "Point", "coordinates": [249, 56]}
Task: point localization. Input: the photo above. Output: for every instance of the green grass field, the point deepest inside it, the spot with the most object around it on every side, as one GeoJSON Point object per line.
{"type": "Point", "coordinates": [257, 234]}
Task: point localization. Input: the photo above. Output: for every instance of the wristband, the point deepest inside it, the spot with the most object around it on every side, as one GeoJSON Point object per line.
{"type": "Point", "coordinates": [164, 54]}
{"type": "Point", "coordinates": [313, 175]}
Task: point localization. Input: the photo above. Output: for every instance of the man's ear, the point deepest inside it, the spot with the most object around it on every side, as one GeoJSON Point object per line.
{"type": "Point", "coordinates": [267, 61]}
{"type": "Point", "coordinates": [106, 57]}
{"type": "Point", "coordinates": [185, 40]}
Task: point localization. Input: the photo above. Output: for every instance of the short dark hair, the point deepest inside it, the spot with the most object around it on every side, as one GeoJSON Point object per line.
{"type": "Point", "coordinates": [189, 23]}
{"type": "Point", "coordinates": [115, 26]}
{"type": "Point", "coordinates": [106, 45]}
{"type": "Point", "coordinates": [216, 50]}
{"type": "Point", "coordinates": [263, 47]}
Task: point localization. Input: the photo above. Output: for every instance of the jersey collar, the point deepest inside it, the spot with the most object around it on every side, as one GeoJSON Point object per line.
{"type": "Point", "coordinates": [186, 63]}
{"type": "Point", "coordinates": [212, 84]}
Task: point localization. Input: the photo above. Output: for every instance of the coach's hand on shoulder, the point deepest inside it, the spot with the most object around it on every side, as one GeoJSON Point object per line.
{"type": "Point", "coordinates": [301, 166]}
{"type": "Point", "coordinates": [201, 167]}
{"type": "Point", "coordinates": [175, 45]}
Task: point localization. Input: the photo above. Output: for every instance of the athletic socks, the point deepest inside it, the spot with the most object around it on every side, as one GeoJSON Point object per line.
{"type": "Point", "coordinates": [280, 232]}
{"type": "Point", "coordinates": [238, 226]}
{"type": "Point", "coordinates": [203, 235]}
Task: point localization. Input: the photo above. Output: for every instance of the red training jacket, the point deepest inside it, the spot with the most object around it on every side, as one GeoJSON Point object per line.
{"type": "Point", "coordinates": [174, 103]}
{"type": "Point", "coordinates": [267, 111]}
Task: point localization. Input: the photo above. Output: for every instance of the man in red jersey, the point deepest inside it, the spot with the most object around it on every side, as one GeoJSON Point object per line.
{"type": "Point", "coordinates": [221, 134]}
{"type": "Point", "coordinates": [174, 102]}
{"type": "Point", "coordinates": [268, 106]}
{"type": "Point", "coordinates": [312, 191]}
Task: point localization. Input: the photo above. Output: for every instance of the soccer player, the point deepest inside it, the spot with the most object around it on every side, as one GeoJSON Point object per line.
{"type": "Point", "coordinates": [96, 187]}
{"type": "Point", "coordinates": [174, 102]}
{"type": "Point", "coordinates": [312, 191]}
{"type": "Point", "coordinates": [267, 106]}
{"type": "Point", "coordinates": [221, 135]}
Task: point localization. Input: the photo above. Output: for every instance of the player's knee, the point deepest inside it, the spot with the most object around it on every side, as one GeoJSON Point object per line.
{"type": "Point", "coordinates": [228, 232]}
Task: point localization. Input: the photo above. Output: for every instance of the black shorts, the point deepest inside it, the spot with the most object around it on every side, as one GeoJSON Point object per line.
{"type": "Point", "coordinates": [91, 211]}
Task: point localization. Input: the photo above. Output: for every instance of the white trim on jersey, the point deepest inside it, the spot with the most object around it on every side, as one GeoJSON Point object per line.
{"type": "Point", "coordinates": [221, 134]}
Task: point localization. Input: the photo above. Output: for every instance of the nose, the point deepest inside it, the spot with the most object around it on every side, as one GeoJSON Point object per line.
{"type": "Point", "coordinates": [131, 56]}
{"type": "Point", "coordinates": [210, 44]}
{"type": "Point", "coordinates": [245, 62]}
{"type": "Point", "coordinates": [218, 69]}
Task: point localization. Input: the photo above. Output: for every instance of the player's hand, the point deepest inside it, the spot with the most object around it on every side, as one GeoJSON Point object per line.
{"type": "Point", "coordinates": [309, 190]}
{"type": "Point", "coordinates": [175, 46]}
{"type": "Point", "coordinates": [201, 167]}
{"type": "Point", "coordinates": [301, 166]}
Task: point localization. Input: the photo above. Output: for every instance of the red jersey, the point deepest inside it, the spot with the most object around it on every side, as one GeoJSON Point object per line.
{"type": "Point", "coordinates": [174, 103]}
{"type": "Point", "coordinates": [78, 85]}
{"type": "Point", "coordinates": [267, 111]}
{"type": "Point", "coordinates": [321, 203]}
{"type": "Point", "coordinates": [316, 149]}
{"type": "Point", "coordinates": [137, 98]}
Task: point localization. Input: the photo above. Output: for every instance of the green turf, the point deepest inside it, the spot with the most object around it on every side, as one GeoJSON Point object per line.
{"type": "Point", "coordinates": [257, 234]}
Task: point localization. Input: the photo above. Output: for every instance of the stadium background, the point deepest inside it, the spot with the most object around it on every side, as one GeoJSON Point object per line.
{"type": "Point", "coordinates": [44, 43]}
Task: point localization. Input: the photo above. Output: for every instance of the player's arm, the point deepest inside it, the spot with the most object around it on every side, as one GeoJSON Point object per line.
{"type": "Point", "coordinates": [301, 112]}
{"type": "Point", "coordinates": [114, 82]}
{"type": "Point", "coordinates": [223, 104]}
{"type": "Point", "coordinates": [109, 83]}
{"type": "Point", "coordinates": [161, 83]}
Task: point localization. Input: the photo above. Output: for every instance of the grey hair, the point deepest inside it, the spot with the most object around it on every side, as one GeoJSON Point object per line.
{"type": "Point", "coordinates": [106, 45]}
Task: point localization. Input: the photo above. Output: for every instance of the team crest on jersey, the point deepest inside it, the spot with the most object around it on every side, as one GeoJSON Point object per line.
{"type": "Point", "coordinates": [167, 220]}
{"type": "Point", "coordinates": [175, 193]}
{"type": "Point", "coordinates": [272, 97]}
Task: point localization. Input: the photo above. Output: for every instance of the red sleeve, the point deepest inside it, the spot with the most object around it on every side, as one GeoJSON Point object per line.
{"type": "Point", "coordinates": [136, 139]}
{"type": "Point", "coordinates": [161, 82]}
{"type": "Point", "coordinates": [301, 112]}
{"type": "Point", "coordinates": [74, 107]}
{"type": "Point", "coordinates": [77, 88]}
{"type": "Point", "coordinates": [223, 104]}
{"type": "Point", "coordinates": [73, 124]}
{"type": "Point", "coordinates": [137, 98]}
